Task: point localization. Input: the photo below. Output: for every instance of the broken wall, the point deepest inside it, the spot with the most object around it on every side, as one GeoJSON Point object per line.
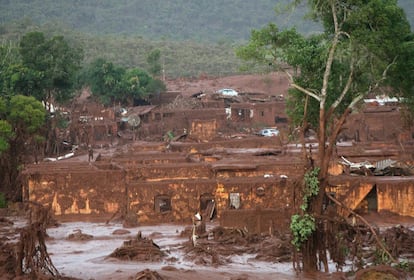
{"type": "Point", "coordinates": [76, 189]}
{"type": "Point", "coordinates": [260, 114]}
{"type": "Point", "coordinates": [185, 198]}
{"type": "Point", "coordinates": [203, 130]}
{"type": "Point", "coordinates": [396, 197]}
{"type": "Point", "coordinates": [179, 121]}
{"type": "Point", "coordinates": [258, 220]}
{"type": "Point", "coordinates": [381, 123]}
{"type": "Point", "coordinates": [393, 194]}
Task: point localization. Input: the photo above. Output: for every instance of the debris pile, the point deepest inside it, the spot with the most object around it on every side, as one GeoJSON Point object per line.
{"type": "Point", "coordinates": [400, 241]}
{"type": "Point", "coordinates": [220, 243]}
{"type": "Point", "coordinates": [387, 167]}
{"type": "Point", "coordinates": [139, 249]}
{"type": "Point", "coordinates": [23, 252]}
{"type": "Point", "coordinates": [7, 260]}
{"type": "Point", "coordinates": [147, 274]}
{"type": "Point", "coordinates": [78, 235]}
{"type": "Point", "coordinates": [379, 272]}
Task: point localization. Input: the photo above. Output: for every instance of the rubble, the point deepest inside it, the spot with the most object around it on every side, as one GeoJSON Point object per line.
{"type": "Point", "coordinates": [79, 236]}
{"type": "Point", "coordinates": [147, 274]}
{"type": "Point", "coordinates": [139, 249]}
{"type": "Point", "coordinates": [380, 272]}
{"type": "Point", "coordinates": [400, 240]}
{"type": "Point", "coordinates": [386, 167]}
{"type": "Point", "coordinates": [220, 243]}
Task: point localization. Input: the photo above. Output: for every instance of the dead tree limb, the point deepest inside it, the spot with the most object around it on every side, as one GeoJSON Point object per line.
{"type": "Point", "coordinates": [379, 242]}
{"type": "Point", "coordinates": [32, 256]}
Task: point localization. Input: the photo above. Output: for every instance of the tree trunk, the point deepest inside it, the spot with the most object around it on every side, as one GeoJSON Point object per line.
{"type": "Point", "coordinates": [315, 248]}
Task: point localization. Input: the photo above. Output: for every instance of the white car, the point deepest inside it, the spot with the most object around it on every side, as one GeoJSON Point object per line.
{"type": "Point", "coordinates": [269, 132]}
{"type": "Point", "coordinates": [227, 92]}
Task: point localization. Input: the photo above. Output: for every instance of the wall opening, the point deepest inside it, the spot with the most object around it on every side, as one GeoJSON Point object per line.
{"type": "Point", "coordinates": [208, 206]}
{"type": "Point", "coordinates": [162, 203]}
{"type": "Point", "coordinates": [234, 200]}
{"type": "Point", "coordinates": [372, 200]}
{"type": "Point", "coordinates": [260, 191]}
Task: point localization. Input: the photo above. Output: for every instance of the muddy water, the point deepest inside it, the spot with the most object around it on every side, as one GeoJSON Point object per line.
{"type": "Point", "coordinates": [88, 259]}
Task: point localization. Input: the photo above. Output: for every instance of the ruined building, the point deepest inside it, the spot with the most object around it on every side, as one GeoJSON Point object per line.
{"type": "Point", "coordinates": [212, 161]}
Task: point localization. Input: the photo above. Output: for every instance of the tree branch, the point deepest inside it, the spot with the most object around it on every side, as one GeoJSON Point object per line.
{"type": "Point", "coordinates": [379, 242]}
{"type": "Point", "coordinates": [373, 88]}
{"type": "Point", "coordinates": [301, 89]}
{"type": "Point", "coordinates": [329, 62]}
{"type": "Point", "coordinates": [383, 76]}
{"type": "Point", "coordinates": [346, 88]}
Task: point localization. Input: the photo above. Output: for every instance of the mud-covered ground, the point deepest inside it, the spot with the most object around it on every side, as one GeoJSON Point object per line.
{"type": "Point", "coordinates": [98, 249]}
{"type": "Point", "coordinates": [271, 84]}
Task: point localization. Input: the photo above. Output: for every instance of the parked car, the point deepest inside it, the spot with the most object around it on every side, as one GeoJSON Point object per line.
{"type": "Point", "coordinates": [228, 92]}
{"type": "Point", "coordinates": [269, 132]}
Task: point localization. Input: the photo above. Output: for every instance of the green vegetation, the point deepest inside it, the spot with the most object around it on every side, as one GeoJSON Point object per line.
{"type": "Point", "coordinates": [114, 84]}
{"type": "Point", "coordinates": [173, 20]}
{"type": "Point", "coordinates": [407, 266]}
{"type": "Point", "coordinates": [177, 58]}
{"type": "Point", "coordinates": [311, 187]}
{"type": "Point", "coordinates": [3, 202]}
{"type": "Point", "coordinates": [38, 71]}
{"type": "Point", "coordinates": [302, 227]}
{"type": "Point", "coordinates": [194, 38]}
{"type": "Point", "coordinates": [207, 21]}
{"type": "Point", "coordinates": [34, 72]}
{"type": "Point", "coordinates": [52, 65]}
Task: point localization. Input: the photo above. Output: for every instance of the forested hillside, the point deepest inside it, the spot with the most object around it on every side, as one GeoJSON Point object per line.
{"type": "Point", "coordinates": [202, 20]}
{"type": "Point", "coordinates": [195, 37]}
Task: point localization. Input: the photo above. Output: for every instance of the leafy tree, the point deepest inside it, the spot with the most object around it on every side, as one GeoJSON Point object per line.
{"type": "Point", "coordinates": [155, 86]}
{"type": "Point", "coordinates": [115, 84]}
{"type": "Point", "coordinates": [23, 118]}
{"type": "Point", "coordinates": [53, 65]}
{"type": "Point", "coordinates": [6, 131]}
{"type": "Point", "coordinates": [26, 115]}
{"type": "Point", "coordinates": [47, 71]}
{"type": "Point", "coordinates": [134, 83]}
{"type": "Point", "coordinates": [5, 135]}
{"type": "Point", "coordinates": [139, 85]}
{"type": "Point", "coordinates": [153, 60]}
{"type": "Point", "coordinates": [365, 47]}
{"type": "Point", "coordinates": [104, 78]}
{"type": "Point", "coordinates": [18, 78]}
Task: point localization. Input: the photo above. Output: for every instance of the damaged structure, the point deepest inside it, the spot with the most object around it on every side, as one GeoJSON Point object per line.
{"type": "Point", "coordinates": [166, 161]}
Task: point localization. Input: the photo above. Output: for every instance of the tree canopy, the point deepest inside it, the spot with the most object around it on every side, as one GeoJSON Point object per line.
{"type": "Point", "coordinates": [52, 65]}
{"type": "Point", "coordinates": [36, 72]}
{"type": "Point", "coordinates": [114, 84]}
{"type": "Point", "coordinates": [22, 122]}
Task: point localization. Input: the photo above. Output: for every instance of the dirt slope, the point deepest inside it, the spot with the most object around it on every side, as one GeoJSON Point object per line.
{"type": "Point", "coordinates": [271, 84]}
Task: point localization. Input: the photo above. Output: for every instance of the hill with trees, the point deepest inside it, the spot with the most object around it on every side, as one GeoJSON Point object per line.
{"type": "Point", "coordinates": [194, 37]}
{"type": "Point", "coordinates": [213, 20]}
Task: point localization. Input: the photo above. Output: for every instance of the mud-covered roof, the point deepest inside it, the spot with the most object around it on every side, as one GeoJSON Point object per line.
{"type": "Point", "coordinates": [141, 110]}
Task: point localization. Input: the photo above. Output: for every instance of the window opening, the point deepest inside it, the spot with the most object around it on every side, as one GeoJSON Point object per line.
{"type": "Point", "coordinates": [372, 199]}
{"type": "Point", "coordinates": [235, 201]}
{"type": "Point", "coordinates": [162, 203]}
{"type": "Point", "coordinates": [208, 206]}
